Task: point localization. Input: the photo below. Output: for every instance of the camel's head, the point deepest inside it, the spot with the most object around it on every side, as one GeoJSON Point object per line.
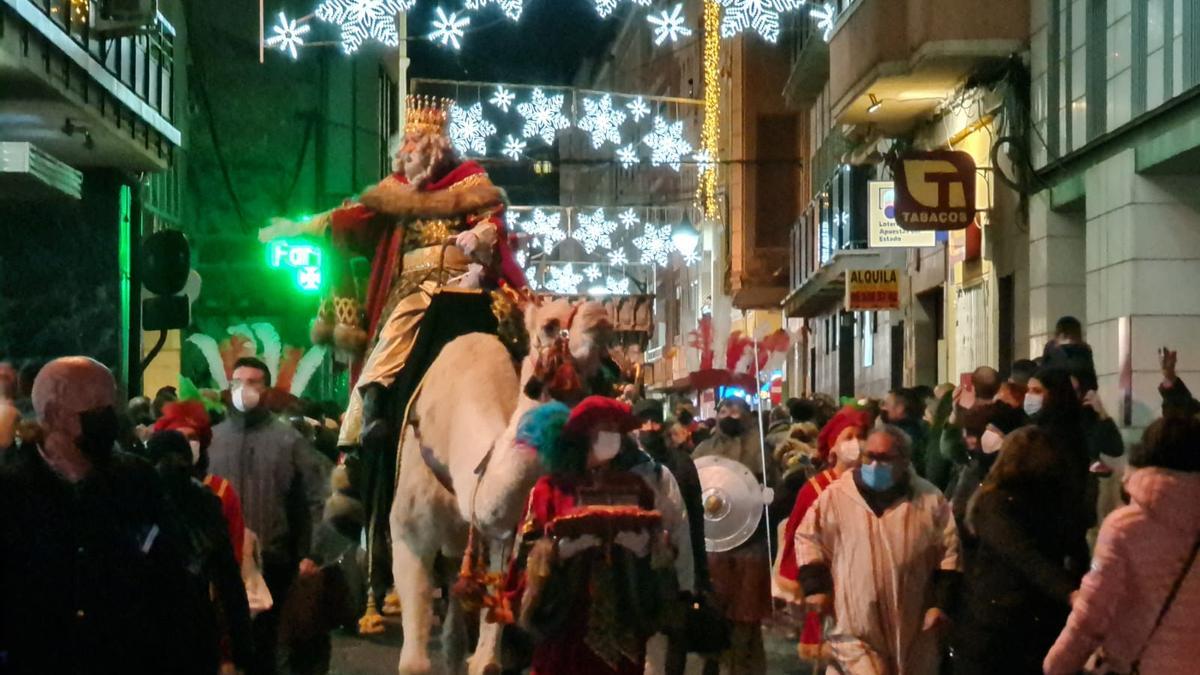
{"type": "Point", "coordinates": [567, 343]}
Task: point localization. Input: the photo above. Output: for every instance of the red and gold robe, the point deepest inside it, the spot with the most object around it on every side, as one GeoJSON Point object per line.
{"type": "Point", "coordinates": [810, 635]}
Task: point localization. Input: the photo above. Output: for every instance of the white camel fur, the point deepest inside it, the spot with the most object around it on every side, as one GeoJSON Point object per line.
{"type": "Point", "coordinates": [469, 404]}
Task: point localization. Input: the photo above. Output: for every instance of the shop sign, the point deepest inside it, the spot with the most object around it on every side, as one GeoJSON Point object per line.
{"type": "Point", "coordinates": [883, 232]}
{"type": "Point", "coordinates": [872, 289]}
{"type": "Point", "coordinates": [935, 190]}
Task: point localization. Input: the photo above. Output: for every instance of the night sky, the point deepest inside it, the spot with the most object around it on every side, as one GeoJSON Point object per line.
{"type": "Point", "coordinates": [545, 47]}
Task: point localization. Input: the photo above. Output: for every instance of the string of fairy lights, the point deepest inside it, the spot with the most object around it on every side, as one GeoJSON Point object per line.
{"type": "Point", "coordinates": [361, 21]}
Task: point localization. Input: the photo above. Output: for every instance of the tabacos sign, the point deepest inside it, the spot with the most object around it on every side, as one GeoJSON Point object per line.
{"type": "Point", "coordinates": [935, 190]}
{"type": "Point", "coordinates": [872, 289]}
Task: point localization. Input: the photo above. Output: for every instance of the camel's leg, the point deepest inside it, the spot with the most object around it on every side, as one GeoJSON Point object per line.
{"type": "Point", "coordinates": [415, 587]}
{"type": "Point", "coordinates": [486, 659]}
{"type": "Point", "coordinates": [454, 637]}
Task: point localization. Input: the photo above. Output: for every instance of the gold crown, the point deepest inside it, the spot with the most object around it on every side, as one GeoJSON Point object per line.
{"type": "Point", "coordinates": [427, 114]}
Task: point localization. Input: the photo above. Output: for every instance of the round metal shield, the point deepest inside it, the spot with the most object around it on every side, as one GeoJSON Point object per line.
{"type": "Point", "coordinates": [732, 500]}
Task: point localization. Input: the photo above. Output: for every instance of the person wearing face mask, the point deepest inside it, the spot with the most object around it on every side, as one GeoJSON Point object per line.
{"type": "Point", "coordinates": [741, 577]}
{"type": "Point", "coordinates": [592, 568]}
{"type": "Point", "coordinates": [1017, 590]}
{"type": "Point", "coordinates": [849, 427]}
{"type": "Point", "coordinates": [219, 609]}
{"type": "Point", "coordinates": [984, 429]}
{"type": "Point", "coordinates": [191, 419]}
{"type": "Point", "coordinates": [280, 480]}
{"type": "Point", "coordinates": [1080, 431]}
{"type": "Point", "coordinates": [880, 549]}
{"type": "Point", "coordinates": [90, 575]}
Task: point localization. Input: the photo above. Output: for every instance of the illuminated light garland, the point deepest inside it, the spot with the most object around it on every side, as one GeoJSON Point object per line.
{"type": "Point", "coordinates": [606, 7]}
{"type": "Point", "coordinates": [543, 116]}
{"type": "Point", "coordinates": [448, 28]}
{"type": "Point", "coordinates": [638, 108]}
{"type": "Point", "coordinates": [363, 20]}
{"type": "Point", "coordinates": [80, 9]}
{"type": "Point", "coordinates": [469, 131]}
{"type": "Point", "coordinates": [761, 16]}
{"type": "Point", "coordinates": [594, 231]}
{"type": "Point", "coordinates": [288, 36]}
{"type": "Point", "coordinates": [511, 8]}
{"type": "Point", "coordinates": [564, 279]}
{"type": "Point", "coordinates": [669, 26]}
{"type": "Point", "coordinates": [503, 98]}
{"type": "Point", "coordinates": [826, 17]}
{"type": "Point", "coordinates": [602, 121]}
{"type": "Point", "coordinates": [710, 130]}
{"type": "Point", "coordinates": [514, 148]}
{"type": "Point", "coordinates": [629, 219]}
{"type": "Point", "coordinates": [655, 244]}
{"type": "Point", "coordinates": [666, 143]}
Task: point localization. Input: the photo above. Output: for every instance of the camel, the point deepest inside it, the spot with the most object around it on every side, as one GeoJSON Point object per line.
{"type": "Point", "coordinates": [467, 411]}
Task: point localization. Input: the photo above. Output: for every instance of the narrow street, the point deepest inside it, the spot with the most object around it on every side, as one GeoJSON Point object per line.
{"type": "Point", "coordinates": [378, 655]}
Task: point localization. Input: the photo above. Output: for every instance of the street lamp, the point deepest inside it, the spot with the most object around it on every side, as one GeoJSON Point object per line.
{"type": "Point", "coordinates": [686, 237]}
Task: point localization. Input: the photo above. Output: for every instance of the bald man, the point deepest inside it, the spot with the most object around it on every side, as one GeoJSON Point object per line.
{"type": "Point", "coordinates": [89, 581]}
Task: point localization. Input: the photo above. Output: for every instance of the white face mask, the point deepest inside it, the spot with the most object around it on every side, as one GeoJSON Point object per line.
{"type": "Point", "coordinates": [1033, 404]}
{"type": "Point", "coordinates": [990, 441]}
{"type": "Point", "coordinates": [607, 445]}
{"type": "Point", "coordinates": [195, 451]}
{"type": "Point", "coordinates": [245, 398]}
{"type": "Point", "coordinates": [849, 450]}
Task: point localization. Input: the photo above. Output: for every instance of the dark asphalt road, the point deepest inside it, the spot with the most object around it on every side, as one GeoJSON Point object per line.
{"type": "Point", "coordinates": [378, 655]}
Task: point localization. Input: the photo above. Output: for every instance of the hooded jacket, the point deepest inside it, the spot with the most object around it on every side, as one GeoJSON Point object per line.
{"type": "Point", "coordinates": [1140, 553]}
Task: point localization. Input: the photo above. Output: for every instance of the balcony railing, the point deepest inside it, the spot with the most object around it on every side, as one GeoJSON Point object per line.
{"type": "Point", "coordinates": [138, 70]}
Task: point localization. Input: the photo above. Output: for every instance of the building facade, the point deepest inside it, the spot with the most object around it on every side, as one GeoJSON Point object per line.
{"type": "Point", "coordinates": [896, 78]}
{"type": "Point", "coordinates": [1114, 225]}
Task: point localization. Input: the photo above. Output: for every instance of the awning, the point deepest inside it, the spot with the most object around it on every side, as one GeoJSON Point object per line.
{"type": "Point", "coordinates": [826, 288]}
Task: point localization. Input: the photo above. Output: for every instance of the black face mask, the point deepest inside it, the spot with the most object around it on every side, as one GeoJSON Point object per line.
{"type": "Point", "coordinates": [100, 429]}
{"type": "Point", "coordinates": [730, 426]}
{"type": "Point", "coordinates": [653, 442]}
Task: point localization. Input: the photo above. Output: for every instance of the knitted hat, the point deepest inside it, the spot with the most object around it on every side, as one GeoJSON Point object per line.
{"type": "Point", "coordinates": [595, 410]}
{"type": "Point", "coordinates": [186, 415]}
{"type": "Point", "coordinates": [848, 416]}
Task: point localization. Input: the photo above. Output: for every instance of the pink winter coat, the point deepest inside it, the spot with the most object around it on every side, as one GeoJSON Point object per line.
{"type": "Point", "coordinates": [1140, 552]}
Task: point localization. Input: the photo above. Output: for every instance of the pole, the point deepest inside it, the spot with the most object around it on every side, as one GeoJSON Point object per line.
{"type": "Point", "coordinates": [762, 441]}
{"type": "Point", "coordinates": [262, 32]}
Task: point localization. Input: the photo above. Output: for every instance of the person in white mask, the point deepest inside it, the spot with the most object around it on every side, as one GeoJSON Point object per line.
{"type": "Point", "coordinates": [849, 429]}
{"type": "Point", "coordinates": [573, 582]}
{"type": "Point", "coordinates": [274, 469]}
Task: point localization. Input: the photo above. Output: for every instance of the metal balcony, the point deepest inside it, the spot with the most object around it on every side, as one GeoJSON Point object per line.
{"type": "Point", "coordinates": [810, 62]}
{"type": "Point", "coordinates": [89, 99]}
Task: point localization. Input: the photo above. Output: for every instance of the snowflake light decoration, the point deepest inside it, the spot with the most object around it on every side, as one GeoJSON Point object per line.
{"type": "Point", "coordinates": [522, 258]}
{"type": "Point", "coordinates": [594, 231]}
{"type": "Point", "coordinates": [628, 156]}
{"type": "Point", "coordinates": [826, 17]}
{"type": "Point", "coordinates": [362, 20]}
{"type": "Point", "coordinates": [548, 226]}
{"type": "Point", "coordinates": [618, 257]}
{"type": "Point", "coordinates": [617, 286]}
{"type": "Point", "coordinates": [704, 161]}
{"type": "Point", "coordinates": [628, 218]}
{"type": "Point", "coordinates": [606, 7]}
{"type": "Point", "coordinates": [655, 244]}
{"type": "Point", "coordinates": [448, 28]}
{"type": "Point", "coordinates": [592, 272]}
{"type": "Point", "coordinates": [503, 98]}
{"type": "Point", "coordinates": [666, 143]}
{"type": "Point", "coordinates": [288, 36]}
{"type": "Point", "coordinates": [638, 108]}
{"type": "Point", "coordinates": [469, 131]}
{"type": "Point", "coordinates": [762, 16]}
{"type": "Point", "coordinates": [669, 26]}
{"type": "Point", "coordinates": [564, 279]}
{"type": "Point", "coordinates": [543, 115]}
{"type": "Point", "coordinates": [513, 148]}
{"type": "Point", "coordinates": [511, 8]}
{"type": "Point", "coordinates": [602, 121]}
